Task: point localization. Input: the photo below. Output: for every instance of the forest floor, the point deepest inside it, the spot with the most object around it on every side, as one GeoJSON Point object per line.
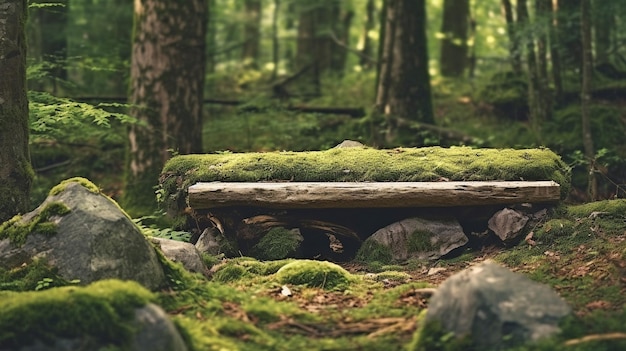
{"type": "Point", "coordinates": [580, 251]}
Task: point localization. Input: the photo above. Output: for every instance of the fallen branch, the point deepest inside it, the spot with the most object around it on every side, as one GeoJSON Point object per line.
{"type": "Point", "coordinates": [595, 337]}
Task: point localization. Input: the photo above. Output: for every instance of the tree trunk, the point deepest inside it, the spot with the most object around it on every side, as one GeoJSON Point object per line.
{"type": "Point", "coordinates": [16, 174]}
{"type": "Point", "coordinates": [555, 54]}
{"type": "Point", "coordinates": [585, 94]}
{"type": "Point", "coordinates": [341, 36]}
{"type": "Point", "coordinates": [604, 26]}
{"type": "Point", "coordinates": [404, 81]}
{"type": "Point", "coordinates": [275, 41]}
{"type": "Point", "coordinates": [569, 34]}
{"type": "Point", "coordinates": [454, 27]}
{"type": "Point", "coordinates": [317, 48]}
{"type": "Point", "coordinates": [366, 52]}
{"type": "Point", "coordinates": [543, 14]}
{"type": "Point", "coordinates": [514, 46]}
{"type": "Point", "coordinates": [536, 101]}
{"type": "Point", "coordinates": [252, 33]}
{"type": "Point", "coordinates": [167, 81]}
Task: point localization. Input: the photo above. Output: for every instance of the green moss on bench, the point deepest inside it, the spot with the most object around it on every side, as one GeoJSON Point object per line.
{"type": "Point", "coordinates": [365, 164]}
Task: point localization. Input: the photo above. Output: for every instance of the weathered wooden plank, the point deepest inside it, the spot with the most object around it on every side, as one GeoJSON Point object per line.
{"type": "Point", "coordinates": [370, 194]}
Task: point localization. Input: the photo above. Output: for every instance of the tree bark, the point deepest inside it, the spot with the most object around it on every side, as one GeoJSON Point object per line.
{"type": "Point", "coordinates": [454, 27]}
{"type": "Point", "coordinates": [543, 14]}
{"type": "Point", "coordinates": [252, 33]}
{"type": "Point", "coordinates": [514, 46]}
{"type": "Point", "coordinates": [536, 102]}
{"type": "Point", "coordinates": [16, 174]}
{"type": "Point", "coordinates": [604, 25]}
{"type": "Point", "coordinates": [367, 53]}
{"type": "Point", "coordinates": [555, 54]}
{"type": "Point", "coordinates": [585, 94]}
{"type": "Point", "coordinates": [167, 81]}
{"type": "Point", "coordinates": [569, 29]}
{"type": "Point", "coordinates": [275, 41]}
{"type": "Point", "coordinates": [404, 81]}
{"type": "Point", "coordinates": [289, 195]}
{"type": "Point", "coordinates": [319, 25]}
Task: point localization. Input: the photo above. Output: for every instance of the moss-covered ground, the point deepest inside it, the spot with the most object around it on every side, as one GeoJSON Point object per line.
{"type": "Point", "coordinates": [295, 304]}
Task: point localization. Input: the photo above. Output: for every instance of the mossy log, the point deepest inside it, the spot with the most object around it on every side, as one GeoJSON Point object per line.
{"type": "Point", "coordinates": [288, 195]}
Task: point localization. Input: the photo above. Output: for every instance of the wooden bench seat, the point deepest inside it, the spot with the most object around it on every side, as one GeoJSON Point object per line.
{"type": "Point", "coordinates": [295, 195]}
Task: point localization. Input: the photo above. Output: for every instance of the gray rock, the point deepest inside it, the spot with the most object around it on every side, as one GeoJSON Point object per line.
{"type": "Point", "coordinates": [508, 224]}
{"type": "Point", "coordinates": [209, 241]}
{"type": "Point", "coordinates": [496, 307]}
{"type": "Point", "coordinates": [348, 143]}
{"type": "Point", "coordinates": [155, 331]}
{"type": "Point", "coordinates": [182, 252]}
{"type": "Point", "coordinates": [94, 241]}
{"type": "Point", "coordinates": [420, 238]}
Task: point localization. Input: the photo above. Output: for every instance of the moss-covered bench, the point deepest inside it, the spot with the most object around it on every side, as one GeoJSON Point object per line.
{"type": "Point", "coordinates": [237, 189]}
{"type": "Point", "coordinates": [365, 177]}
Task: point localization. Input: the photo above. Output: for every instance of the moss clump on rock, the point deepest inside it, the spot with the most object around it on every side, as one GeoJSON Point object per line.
{"type": "Point", "coordinates": [28, 277]}
{"type": "Point", "coordinates": [18, 228]}
{"type": "Point", "coordinates": [103, 311]}
{"type": "Point", "coordinates": [372, 251]}
{"type": "Point", "coordinates": [277, 244]}
{"type": "Point", "coordinates": [420, 241]}
{"type": "Point", "coordinates": [315, 274]}
{"type": "Point", "coordinates": [82, 181]}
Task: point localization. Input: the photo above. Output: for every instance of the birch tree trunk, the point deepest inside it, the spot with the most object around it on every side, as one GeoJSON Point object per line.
{"type": "Point", "coordinates": [16, 174]}
{"type": "Point", "coordinates": [167, 81]}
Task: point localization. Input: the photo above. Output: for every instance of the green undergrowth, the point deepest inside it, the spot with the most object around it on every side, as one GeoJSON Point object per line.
{"type": "Point", "coordinates": [36, 275]}
{"type": "Point", "coordinates": [248, 304]}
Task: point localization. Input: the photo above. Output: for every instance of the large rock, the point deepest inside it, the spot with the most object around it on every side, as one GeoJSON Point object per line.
{"type": "Point", "coordinates": [182, 252]}
{"type": "Point", "coordinates": [416, 238]}
{"type": "Point", "coordinates": [108, 314]}
{"type": "Point", "coordinates": [496, 307]}
{"type": "Point", "coordinates": [85, 235]}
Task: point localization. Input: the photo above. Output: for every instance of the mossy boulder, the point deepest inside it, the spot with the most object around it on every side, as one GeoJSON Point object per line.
{"type": "Point", "coordinates": [84, 235]}
{"type": "Point", "coordinates": [360, 164]}
{"type": "Point", "coordinates": [108, 314]}
{"type": "Point", "coordinates": [316, 274]}
{"type": "Point", "coordinates": [417, 238]}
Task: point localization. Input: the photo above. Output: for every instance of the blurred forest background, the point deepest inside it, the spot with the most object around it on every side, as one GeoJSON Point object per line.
{"type": "Point", "coordinates": [305, 75]}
